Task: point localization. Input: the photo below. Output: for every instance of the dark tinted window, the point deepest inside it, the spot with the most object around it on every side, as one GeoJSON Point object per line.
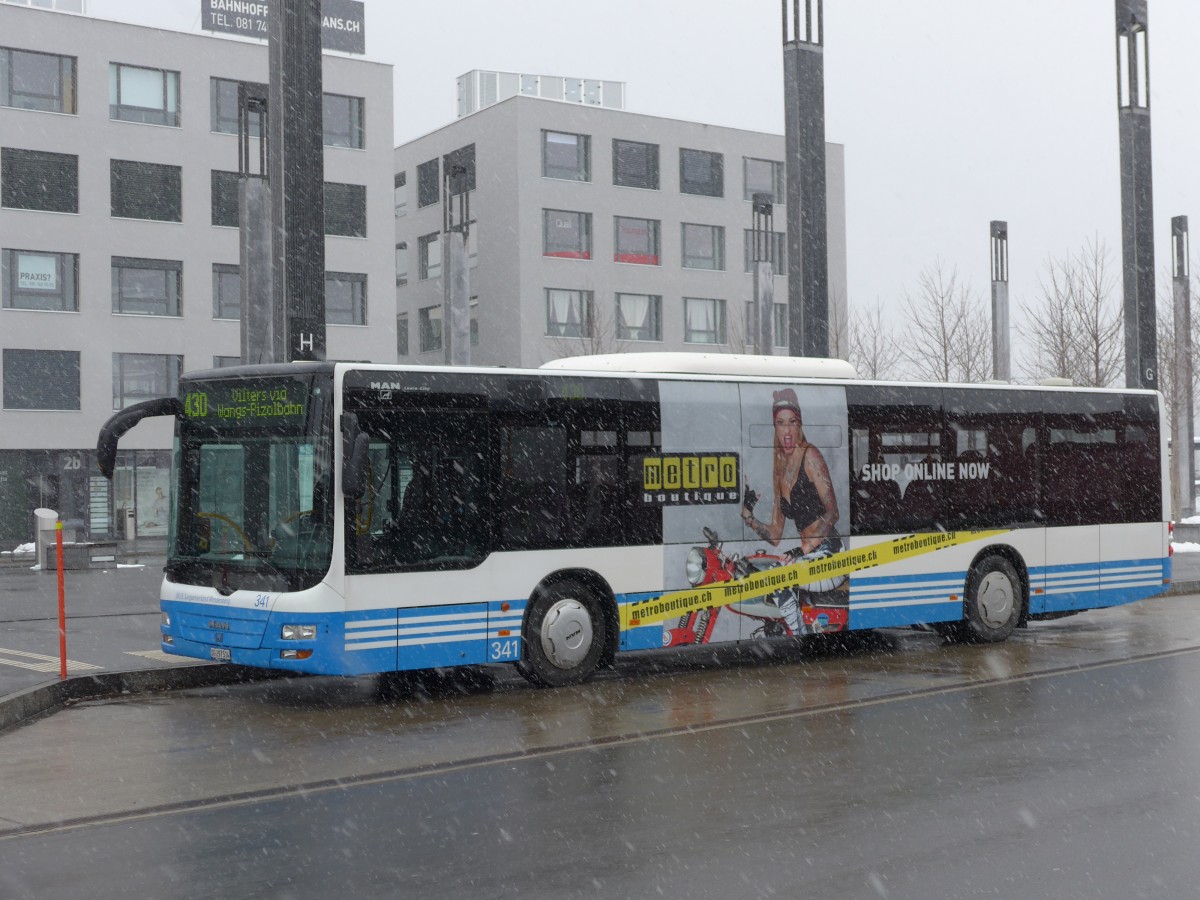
{"type": "Point", "coordinates": [41, 379]}
{"type": "Point", "coordinates": [428, 189]}
{"type": "Point", "coordinates": [142, 190]}
{"type": "Point", "coordinates": [992, 441]}
{"type": "Point", "coordinates": [225, 198]}
{"type": "Point", "coordinates": [635, 164]}
{"type": "Point", "coordinates": [701, 172]}
{"type": "Point", "coordinates": [343, 121]}
{"type": "Point", "coordinates": [37, 179]}
{"type": "Point", "coordinates": [897, 464]}
{"type": "Point", "coordinates": [345, 209]}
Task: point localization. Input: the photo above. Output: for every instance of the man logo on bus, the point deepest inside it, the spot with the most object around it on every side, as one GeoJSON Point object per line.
{"type": "Point", "coordinates": [196, 405]}
{"type": "Point", "coordinates": [690, 478]}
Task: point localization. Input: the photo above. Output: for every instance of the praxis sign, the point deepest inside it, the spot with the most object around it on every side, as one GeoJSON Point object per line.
{"type": "Point", "coordinates": [341, 21]}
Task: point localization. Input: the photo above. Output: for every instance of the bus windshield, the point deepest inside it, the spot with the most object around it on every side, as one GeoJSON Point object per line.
{"type": "Point", "coordinates": [253, 499]}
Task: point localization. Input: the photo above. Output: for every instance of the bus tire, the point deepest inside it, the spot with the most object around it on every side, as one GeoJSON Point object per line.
{"type": "Point", "coordinates": [564, 635]}
{"type": "Point", "coordinates": [994, 601]}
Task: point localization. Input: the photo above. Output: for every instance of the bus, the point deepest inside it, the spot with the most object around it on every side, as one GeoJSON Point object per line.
{"type": "Point", "coordinates": [350, 519]}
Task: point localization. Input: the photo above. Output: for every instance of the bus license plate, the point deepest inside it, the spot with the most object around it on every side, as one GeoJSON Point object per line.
{"type": "Point", "coordinates": [220, 654]}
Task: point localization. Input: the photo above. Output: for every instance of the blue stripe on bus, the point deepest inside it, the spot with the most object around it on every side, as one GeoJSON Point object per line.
{"type": "Point", "coordinates": [1097, 585]}
{"type": "Point", "coordinates": [354, 643]}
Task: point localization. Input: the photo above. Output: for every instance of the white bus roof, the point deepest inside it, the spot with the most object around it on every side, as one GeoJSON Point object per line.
{"type": "Point", "coordinates": [676, 363]}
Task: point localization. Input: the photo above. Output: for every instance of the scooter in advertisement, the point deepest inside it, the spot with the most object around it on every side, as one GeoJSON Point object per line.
{"type": "Point", "coordinates": [783, 613]}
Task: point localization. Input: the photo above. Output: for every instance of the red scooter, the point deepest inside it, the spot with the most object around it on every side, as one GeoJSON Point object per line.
{"type": "Point", "coordinates": [786, 612]}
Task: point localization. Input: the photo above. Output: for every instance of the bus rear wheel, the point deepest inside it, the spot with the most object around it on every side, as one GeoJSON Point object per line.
{"type": "Point", "coordinates": [564, 636]}
{"type": "Point", "coordinates": [994, 602]}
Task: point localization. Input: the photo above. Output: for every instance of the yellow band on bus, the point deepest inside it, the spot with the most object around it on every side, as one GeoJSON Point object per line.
{"type": "Point", "coordinates": [765, 583]}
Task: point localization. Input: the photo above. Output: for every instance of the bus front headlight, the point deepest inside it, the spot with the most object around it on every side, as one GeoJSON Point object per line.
{"type": "Point", "coordinates": [299, 632]}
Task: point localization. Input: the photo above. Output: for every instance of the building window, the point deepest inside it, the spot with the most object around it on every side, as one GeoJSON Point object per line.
{"type": "Point", "coordinates": [226, 199]}
{"type": "Point", "coordinates": [227, 291]}
{"type": "Point", "coordinates": [138, 94]}
{"type": "Point", "coordinates": [144, 376]}
{"type": "Point", "coordinates": [402, 263]}
{"type": "Point", "coordinates": [763, 176]}
{"type": "Point", "coordinates": [41, 81]}
{"type": "Point", "coordinates": [400, 194]}
{"type": "Point", "coordinates": [345, 298]}
{"type": "Point", "coordinates": [703, 246]}
{"type": "Point", "coordinates": [778, 251]}
{"type": "Point", "coordinates": [41, 379]}
{"type": "Point", "coordinates": [567, 235]}
{"type": "Point", "coordinates": [147, 287]}
{"type": "Point", "coordinates": [141, 190]}
{"type": "Point", "coordinates": [429, 256]}
{"type": "Point", "coordinates": [701, 172]}
{"type": "Point", "coordinates": [635, 164]}
{"type": "Point", "coordinates": [402, 335]}
{"type": "Point", "coordinates": [343, 121]}
{"type": "Point", "coordinates": [567, 156]}
{"type": "Point", "coordinates": [428, 189]}
{"type": "Point", "coordinates": [639, 317]}
{"type": "Point", "coordinates": [459, 166]}
{"type": "Point", "coordinates": [223, 106]}
{"type": "Point", "coordinates": [44, 281]}
{"type": "Point", "coordinates": [39, 180]}
{"type": "Point", "coordinates": [703, 321]}
{"type": "Point", "coordinates": [226, 362]}
{"type": "Point", "coordinates": [345, 209]}
{"type": "Point", "coordinates": [568, 313]}
{"type": "Point", "coordinates": [431, 328]}
{"type": "Point", "coordinates": [474, 321]}
{"type": "Point", "coordinates": [636, 241]}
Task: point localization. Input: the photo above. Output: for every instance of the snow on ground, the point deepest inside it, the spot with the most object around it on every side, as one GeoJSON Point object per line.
{"type": "Point", "coordinates": [1185, 546]}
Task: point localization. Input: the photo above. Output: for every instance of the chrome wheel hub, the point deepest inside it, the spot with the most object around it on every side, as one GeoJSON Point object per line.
{"type": "Point", "coordinates": [995, 599]}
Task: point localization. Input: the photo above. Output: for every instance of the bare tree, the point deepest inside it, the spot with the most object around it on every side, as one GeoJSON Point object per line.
{"type": "Point", "coordinates": [948, 337]}
{"type": "Point", "coordinates": [1073, 330]}
{"type": "Point", "coordinates": [874, 349]}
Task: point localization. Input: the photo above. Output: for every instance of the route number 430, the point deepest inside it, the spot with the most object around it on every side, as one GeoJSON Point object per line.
{"type": "Point", "coordinates": [499, 651]}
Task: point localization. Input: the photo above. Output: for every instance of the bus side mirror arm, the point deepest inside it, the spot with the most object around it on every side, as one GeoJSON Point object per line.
{"type": "Point", "coordinates": [120, 422]}
{"type": "Point", "coordinates": [355, 443]}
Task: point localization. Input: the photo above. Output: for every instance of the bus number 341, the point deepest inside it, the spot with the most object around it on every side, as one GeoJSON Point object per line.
{"type": "Point", "coordinates": [502, 650]}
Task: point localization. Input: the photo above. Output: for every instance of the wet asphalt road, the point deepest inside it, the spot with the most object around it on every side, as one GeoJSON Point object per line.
{"type": "Point", "coordinates": [1061, 764]}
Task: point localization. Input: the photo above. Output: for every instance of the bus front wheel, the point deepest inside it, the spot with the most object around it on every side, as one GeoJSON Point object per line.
{"type": "Point", "coordinates": [994, 601]}
{"type": "Point", "coordinates": [564, 635]}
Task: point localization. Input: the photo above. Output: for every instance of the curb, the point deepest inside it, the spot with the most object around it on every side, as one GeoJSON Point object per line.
{"type": "Point", "coordinates": [44, 699]}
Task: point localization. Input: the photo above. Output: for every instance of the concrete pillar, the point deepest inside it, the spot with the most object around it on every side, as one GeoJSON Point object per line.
{"type": "Point", "coordinates": [804, 136]}
{"type": "Point", "coordinates": [296, 166]}
{"type": "Point", "coordinates": [1137, 200]}
{"type": "Point", "coordinates": [1183, 425]}
{"type": "Point", "coordinates": [1001, 351]}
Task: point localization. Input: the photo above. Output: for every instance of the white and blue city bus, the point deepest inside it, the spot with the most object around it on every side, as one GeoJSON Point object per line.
{"type": "Point", "coordinates": [346, 519]}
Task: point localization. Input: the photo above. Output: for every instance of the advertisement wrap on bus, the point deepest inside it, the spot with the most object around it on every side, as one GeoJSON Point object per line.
{"type": "Point", "coordinates": [355, 519]}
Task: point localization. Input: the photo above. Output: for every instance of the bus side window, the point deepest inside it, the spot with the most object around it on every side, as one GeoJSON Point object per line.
{"type": "Point", "coordinates": [531, 487]}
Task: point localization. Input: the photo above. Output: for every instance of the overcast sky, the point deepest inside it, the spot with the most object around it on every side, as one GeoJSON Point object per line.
{"type": "Point", "coordinates": [952, 112]}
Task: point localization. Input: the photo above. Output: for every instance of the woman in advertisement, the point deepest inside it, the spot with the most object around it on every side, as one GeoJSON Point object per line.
{"type": "Point", "coordinates": [803, 489]}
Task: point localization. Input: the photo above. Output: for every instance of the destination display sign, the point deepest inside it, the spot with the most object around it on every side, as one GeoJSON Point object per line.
{"type": "Point", "coordinates": [342, 21]}
{"type": "Point", "coordinates": [248, 403]}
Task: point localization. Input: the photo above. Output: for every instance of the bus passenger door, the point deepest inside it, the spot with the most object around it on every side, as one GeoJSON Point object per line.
{"type": "Point", "coordinates": [1081, 482]}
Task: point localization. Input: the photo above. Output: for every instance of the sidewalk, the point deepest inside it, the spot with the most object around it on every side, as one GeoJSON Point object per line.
{"type": "Point", "coordinates": [112, 618]}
